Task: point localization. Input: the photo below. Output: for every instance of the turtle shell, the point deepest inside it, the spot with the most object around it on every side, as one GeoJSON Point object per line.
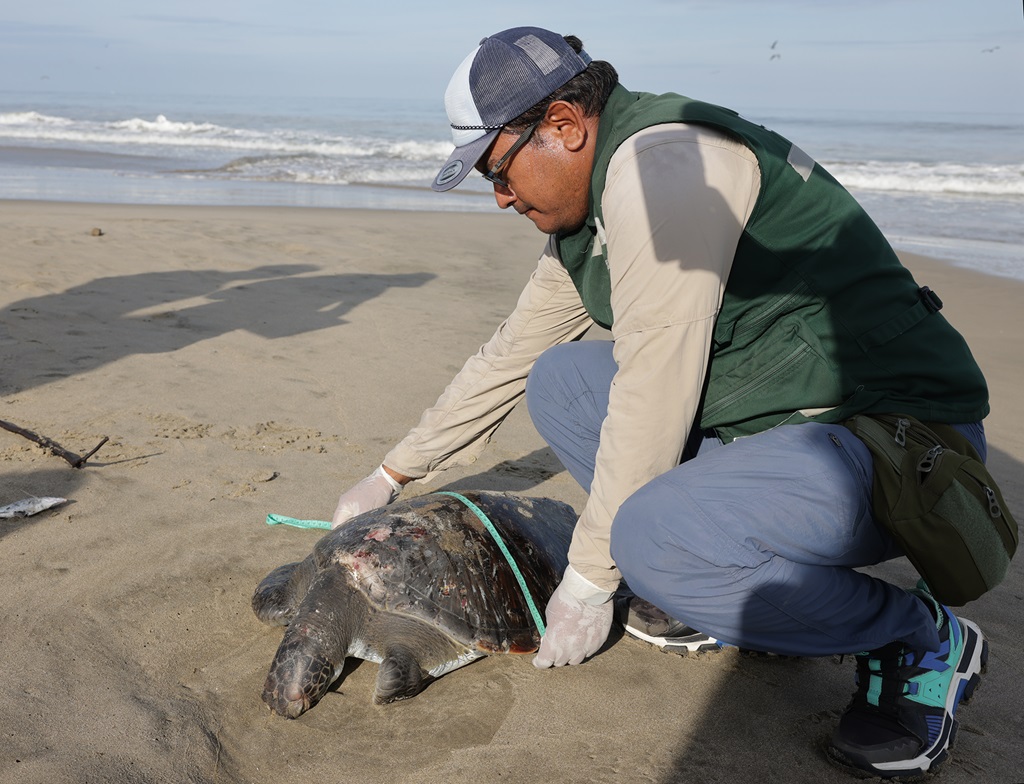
{"type": "Point", "coordinates": [432, 558]}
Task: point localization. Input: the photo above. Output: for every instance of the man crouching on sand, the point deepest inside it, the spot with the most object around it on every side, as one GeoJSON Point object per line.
{"type": "Point", "coordinates": [753, 306]}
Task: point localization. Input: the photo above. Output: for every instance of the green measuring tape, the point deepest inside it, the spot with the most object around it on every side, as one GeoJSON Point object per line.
{"type": "Point", "coordinates": [537, 620]}
{"type": "Point", "coordinates": [276, 519]}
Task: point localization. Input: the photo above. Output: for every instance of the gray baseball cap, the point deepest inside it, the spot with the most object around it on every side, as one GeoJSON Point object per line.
{"type": "Point", "coordinates": [504, 76]}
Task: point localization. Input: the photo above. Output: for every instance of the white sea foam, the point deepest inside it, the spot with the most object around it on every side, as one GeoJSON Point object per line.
{"type": "Point", "coordinates": [139, 136]}
{"type": "Point", "coordinates": [913, 177]}
{"type": "Point", "coordinates": [18, 119]}
{"type": "Point", "coordinates": [311, 155]}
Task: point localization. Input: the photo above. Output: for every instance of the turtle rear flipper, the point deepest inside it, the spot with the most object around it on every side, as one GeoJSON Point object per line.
{"type": "Point", "coordinates": [399, 677]}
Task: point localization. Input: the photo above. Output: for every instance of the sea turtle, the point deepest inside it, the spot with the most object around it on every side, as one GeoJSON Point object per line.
{"type": "Point", "coordinates": [420, 586]}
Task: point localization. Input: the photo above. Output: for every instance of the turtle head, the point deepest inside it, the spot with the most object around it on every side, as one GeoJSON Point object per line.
{"type": "Point", "coordinates": [297, 681]}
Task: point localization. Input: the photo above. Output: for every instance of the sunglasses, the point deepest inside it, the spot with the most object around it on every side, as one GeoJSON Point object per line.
{"type": "Point", "coordinates": [491, 175]}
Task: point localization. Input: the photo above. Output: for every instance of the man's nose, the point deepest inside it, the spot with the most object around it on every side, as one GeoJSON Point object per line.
{"type": "Point", "coordinates": [504, 196]}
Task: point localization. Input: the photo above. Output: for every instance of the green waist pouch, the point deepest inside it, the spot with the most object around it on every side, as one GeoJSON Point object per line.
{"type": "Point", "coordinates": [940, 503]}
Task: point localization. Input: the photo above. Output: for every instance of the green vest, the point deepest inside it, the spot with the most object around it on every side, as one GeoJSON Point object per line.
{"type": "Point", "coordinates": [818, 314]}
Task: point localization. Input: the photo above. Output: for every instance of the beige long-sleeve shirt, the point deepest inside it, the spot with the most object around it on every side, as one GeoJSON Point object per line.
{"type": "Point", "coordinates": [676, 200]}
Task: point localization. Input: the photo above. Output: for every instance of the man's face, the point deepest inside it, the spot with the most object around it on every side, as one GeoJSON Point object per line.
{"type": "Point", "coordinates": [544, 179]}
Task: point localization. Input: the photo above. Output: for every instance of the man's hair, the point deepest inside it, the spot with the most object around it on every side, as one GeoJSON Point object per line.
{"type": "Point", "coordinates": [589, 90]}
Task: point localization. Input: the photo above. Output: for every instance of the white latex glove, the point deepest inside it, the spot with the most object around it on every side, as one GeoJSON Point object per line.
{"type": "Point", "coordinates": [377, 490]}
{"type": "Point", "coordinates": [579, 618]}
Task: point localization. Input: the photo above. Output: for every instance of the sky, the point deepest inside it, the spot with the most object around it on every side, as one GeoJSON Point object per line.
{"type": "Point", "coordinates": [917, 56]}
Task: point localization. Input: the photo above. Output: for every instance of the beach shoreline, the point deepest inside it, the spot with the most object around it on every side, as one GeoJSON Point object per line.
{"type": "Point", "coordinates": [253, 360]}
{"type": "Point", "coordinates": [944, 184]}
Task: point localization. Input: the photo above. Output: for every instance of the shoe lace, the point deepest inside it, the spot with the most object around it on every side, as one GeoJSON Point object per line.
{"type": "Point", "coordinates": [885, 675]}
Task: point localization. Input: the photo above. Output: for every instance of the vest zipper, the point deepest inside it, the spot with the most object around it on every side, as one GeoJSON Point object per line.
{"type": "Point", "coordinates": [756, 324]}
{"type": "Point", "coordinates": [755, 383]}
{"type": "Point", "coordinates": [993, 503]}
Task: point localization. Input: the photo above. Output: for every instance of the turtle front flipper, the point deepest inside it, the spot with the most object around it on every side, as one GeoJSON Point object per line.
{"type": "Point", "coordinates": [277, 597]}
{"type": "Point", "coordinates": [312, 654]}
{"type": "Point", "coordinates": [412, 654]}
{"type": "Point", "coordinates": [399, 677]}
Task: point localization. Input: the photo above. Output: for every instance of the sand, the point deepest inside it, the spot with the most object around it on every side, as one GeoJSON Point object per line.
{"type": "Point", "coordinates": [246, 361]}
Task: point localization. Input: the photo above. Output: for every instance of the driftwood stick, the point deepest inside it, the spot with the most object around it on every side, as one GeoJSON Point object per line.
{"type": "Point", "coordinates": [81, 461]}
{"type": "Point", "coordinates": [76, 461]}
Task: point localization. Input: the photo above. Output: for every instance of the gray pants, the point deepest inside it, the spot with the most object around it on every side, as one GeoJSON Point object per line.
{"type": "Point", "coordinates": [755, 542]}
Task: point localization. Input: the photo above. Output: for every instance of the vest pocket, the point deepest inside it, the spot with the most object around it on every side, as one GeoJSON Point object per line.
{"type": "Point", "coordinates": [752, 324]}
{"type": "Point", "coordinates": [751, 388]}
{"type": "Point", "coordinates": [767, 383]}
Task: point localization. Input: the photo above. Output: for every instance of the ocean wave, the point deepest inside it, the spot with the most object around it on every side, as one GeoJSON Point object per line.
{"type": "Point", "coordinates": [16, 119]}
{"type": "Point", "coordinates": [405, 162]}
{"type": "Point", "coordinates": [139, 135]}
{"type": "Point", "coordinates": [935, 178]}
{"type": "Point", "coordinates": [161, 126]}
{"type": "Point", "coordinates": [321, 153]}
{"type": "Point", "coordinates": [318, 169]}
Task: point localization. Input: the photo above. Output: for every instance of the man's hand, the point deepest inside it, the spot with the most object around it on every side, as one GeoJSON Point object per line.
{"type": "Point", "coordinates": [579, 617]}
{"type": "Point", "coordinates": [377, 490]}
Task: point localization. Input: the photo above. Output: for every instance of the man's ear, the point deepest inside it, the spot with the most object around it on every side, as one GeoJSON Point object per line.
{"type": "Point", "coordinates": [566, 122]}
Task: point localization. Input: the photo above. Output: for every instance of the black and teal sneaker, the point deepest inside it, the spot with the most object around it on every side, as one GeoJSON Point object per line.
{"type": "Point", "coordinates": [901, 722]}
